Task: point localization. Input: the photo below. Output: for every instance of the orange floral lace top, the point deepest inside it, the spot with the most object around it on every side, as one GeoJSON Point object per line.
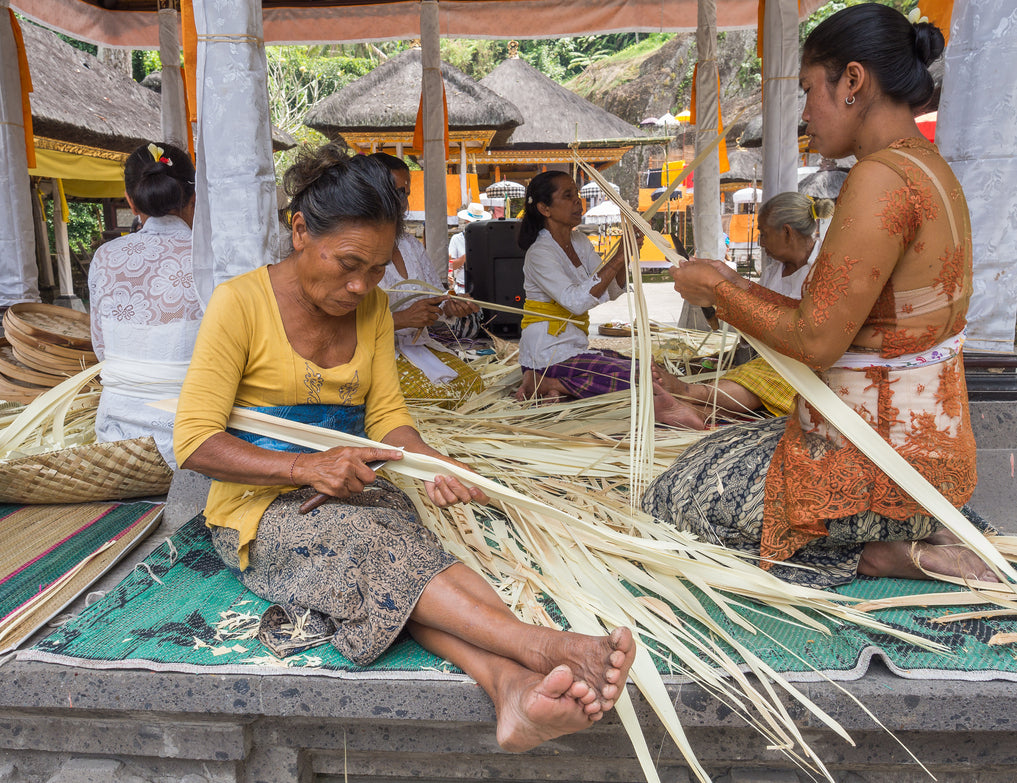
{"type": "Point", "coordinates": [893, 277]}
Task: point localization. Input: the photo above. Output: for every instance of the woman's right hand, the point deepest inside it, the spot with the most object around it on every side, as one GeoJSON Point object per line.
{"type": "Point", "coordinates": [421, 314]}
{"type": "Point", "coordinates": [340, 472]}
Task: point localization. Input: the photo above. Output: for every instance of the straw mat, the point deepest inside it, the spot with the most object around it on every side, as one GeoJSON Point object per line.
{"type": "Point", "coordinates": [186, 613]}
{"type": "Point", "coordinates": [95, 471]}
{"type": "Point", "coordinates": [50, 554]}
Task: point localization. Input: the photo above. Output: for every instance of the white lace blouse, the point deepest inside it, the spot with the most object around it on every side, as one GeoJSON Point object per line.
{"type": "Point", "coordinates": [145, 314]}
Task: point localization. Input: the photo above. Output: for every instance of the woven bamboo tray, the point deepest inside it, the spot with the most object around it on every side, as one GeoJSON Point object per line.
{"type": "Point", "coordinates": [50, 323]}
{"type": "Point", "coordinates": [96, 471]}
{"type": "Point", "coordinates": [17, 372]}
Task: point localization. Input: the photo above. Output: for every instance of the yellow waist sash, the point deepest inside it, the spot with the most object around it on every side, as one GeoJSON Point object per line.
{"type": "Point", "coordinates": [555, 326]}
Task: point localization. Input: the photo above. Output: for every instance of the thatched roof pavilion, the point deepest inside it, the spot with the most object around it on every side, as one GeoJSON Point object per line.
{"type": "Point", "coordinates": [79, 100]}
{"type": "Point", "coordinates": [554, 118]}
{"type": "Point", "coordinates": [380, 108]}
{"type": "Point", "coordinates": [83, 107]}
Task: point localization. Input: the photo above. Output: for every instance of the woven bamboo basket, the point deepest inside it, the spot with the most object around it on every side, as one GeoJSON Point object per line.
{"type": "Point", "coordinates": [96, 471]}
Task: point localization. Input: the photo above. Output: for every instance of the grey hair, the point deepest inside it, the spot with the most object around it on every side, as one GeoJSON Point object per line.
{"type": "Point", "coordinates": [797, 210]}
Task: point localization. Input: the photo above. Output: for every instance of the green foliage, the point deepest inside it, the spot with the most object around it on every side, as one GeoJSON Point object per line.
{"type": "Point", "coordinates": [750, 72]}
{"type": "Point", "coordinates": [475, 58]}
{"type": "Point", "coordinates": [84, 225]}
{"type": "Point", "coordinates": [144, 62]}
{"type": "Point", "coordinates": [645, 45]}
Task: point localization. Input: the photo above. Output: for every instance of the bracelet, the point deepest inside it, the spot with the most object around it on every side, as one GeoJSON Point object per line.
{"type": "Point", "coordinates": [293, 465]}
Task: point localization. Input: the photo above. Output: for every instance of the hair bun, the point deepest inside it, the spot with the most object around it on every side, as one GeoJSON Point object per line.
{"type": "Point", "coordinates": [929, 42]}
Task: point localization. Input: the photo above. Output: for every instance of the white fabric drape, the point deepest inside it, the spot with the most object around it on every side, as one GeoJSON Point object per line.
{"type": "Point", "coordinates": [706, 215]}
{"type": "Point", "coordinates": [975, 133]}
{"type": "Point", "coordinates": [435, 152]}
{"type": "Point", "coordinates": [18, 275]}
{"type": "Point", "coordinates": [235, 223]}
{"type": "Point", "coordinates": [780, 102]}
{"type": "Point", "coordinates": [174, 110]}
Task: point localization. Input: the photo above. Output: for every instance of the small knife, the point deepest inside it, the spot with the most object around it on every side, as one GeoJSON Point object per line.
{"type": "Point", "coordinates": [312, 503]}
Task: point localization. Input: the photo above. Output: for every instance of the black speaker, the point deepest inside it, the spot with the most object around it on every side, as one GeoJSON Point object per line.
{"type": "Point", "coordinates": [494, 272]}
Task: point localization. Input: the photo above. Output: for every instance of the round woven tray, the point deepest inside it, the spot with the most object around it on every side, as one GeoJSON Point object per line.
{"type": "Point", "coordinates": [18, 372]}
{"type": "Point", "coordinates": [98, 471]}
{"type": "Point", "coordinates": [51, 323]}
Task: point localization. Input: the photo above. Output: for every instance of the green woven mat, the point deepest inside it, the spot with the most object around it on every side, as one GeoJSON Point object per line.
{"type": "Point", "coordinates": [184, 612]}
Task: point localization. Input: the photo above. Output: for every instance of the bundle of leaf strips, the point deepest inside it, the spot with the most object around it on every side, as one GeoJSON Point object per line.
{"type": "Point", "coordinates": [61, 417]}
{"type": "Point", "coordinates": [585, 550]}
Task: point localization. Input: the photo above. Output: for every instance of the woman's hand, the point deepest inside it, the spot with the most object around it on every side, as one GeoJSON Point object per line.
{"type": "Point", "coordinates": [695, 280]}
{"type": "Point", "coordinates": [457, 308]}
{"type": "Point", "coordinates": [421, 314]}
{"type": "Point", "coordinates": [340, 472]}
{"type": "Point", "coordinates": [448, 490]}
{"type": "Point", "coordinates": [442, 490]}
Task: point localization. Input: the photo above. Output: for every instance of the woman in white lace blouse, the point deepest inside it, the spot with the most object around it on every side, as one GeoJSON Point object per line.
{"type": "Point", "coordinates": [144, 309]}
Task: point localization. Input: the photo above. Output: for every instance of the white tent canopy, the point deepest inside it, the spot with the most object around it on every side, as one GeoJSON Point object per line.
{"type": "Point", "coordinates": [747, 195]}
{"type": "Point", "coordinates": [606, 213]}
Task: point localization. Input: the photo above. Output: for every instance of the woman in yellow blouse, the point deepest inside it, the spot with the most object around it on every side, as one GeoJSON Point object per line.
{"type": "Point", "coordinates": [311, 339]}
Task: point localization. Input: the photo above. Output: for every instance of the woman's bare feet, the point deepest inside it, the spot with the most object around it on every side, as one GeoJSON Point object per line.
{"type": "Point", "coordinates": [673, 412]}
{"type": "Point", "coordinates": [602, 662]}
{"type": "Point", "coordinates": [671, 383]}
{"type": "Point", "coordinates": [532, 708]}
{"type": "Point", "coordinates": [924, 560]}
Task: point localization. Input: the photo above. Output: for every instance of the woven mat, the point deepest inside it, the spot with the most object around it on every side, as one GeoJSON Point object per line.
{"type": "Point", "coordinates": [186, 613]}
{"type": "Point", "coordinates": [50, 554]}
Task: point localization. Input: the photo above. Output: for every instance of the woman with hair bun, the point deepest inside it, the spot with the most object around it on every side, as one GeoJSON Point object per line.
{"type": "Point", "coordinates": [564, 278]}
{"type": "Point", "coordinates": [144, 309]}
{"type": "Point", "coordinates": [311, 339]}
{"type": "Point", "coordinates": [789, 233]}
{"type": "Point", "coordinates": [428, 370]}
{"type": "Point", "coordinates": [880, 320]}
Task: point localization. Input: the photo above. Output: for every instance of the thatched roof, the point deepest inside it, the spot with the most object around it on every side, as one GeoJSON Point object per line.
{"type": "Point", "coordinates": [78, 99]}
{"type": "Point", "coordinates": [553, 115]}
{"type": "Point", "coordinates": [822, 184]}
{"type": "Point", "coordinates": [281, 140]}
{"type": "Point", "coordinates": [387, 98]}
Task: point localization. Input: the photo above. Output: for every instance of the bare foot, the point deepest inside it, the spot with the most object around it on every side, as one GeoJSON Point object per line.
{"type": "Point", "coordinates": [528, 387]}
{"type": "Point", "coordinates": [673, 412]}
{"type": "Point", "coordinates": [602, 662]}
{"type": "Point", "coordinates": [670, 382]}
{"type": "Point", "coordinates": [533, 709]}
{"type": "Point", "coordinates": [923, 560]}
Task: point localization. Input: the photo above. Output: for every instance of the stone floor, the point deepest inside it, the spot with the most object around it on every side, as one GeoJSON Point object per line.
{"type": "Point", "coordinates": [72, 725]}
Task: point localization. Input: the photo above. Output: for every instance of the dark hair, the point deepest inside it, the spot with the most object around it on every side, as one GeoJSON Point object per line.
{"type": "Point", "coordinates": [330, 188]}
{"type": "Point", "coordinates": [897, 52]}
{"type": "Point", "coordinates": [159, 178]}
{"type": "Point", "coordinates": [391, 162]}
{"type": "Point", "coordinates": [540, 191]}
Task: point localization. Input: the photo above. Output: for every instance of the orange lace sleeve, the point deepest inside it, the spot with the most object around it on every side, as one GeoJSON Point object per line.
{"type": "Point", "coordinates": [858, 256]}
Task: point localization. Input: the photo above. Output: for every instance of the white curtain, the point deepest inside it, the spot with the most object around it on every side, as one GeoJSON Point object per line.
{"type": "Point", "coordinates": [18, 272]}
{"type": "Point", "coordinates": [435, 151]}
{"type": "Point", "coordinates": [174, 110]}
{"type": "Point", "coordinates": [235, 220]}
{"type": "Point", "coordinates": [780, 100]}
{"type": "Point", "coordinates": [975, 132]}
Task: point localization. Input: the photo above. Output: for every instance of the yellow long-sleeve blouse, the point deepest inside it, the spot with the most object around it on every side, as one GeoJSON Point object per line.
{"type": "Point", "coordinates": [242, 358]}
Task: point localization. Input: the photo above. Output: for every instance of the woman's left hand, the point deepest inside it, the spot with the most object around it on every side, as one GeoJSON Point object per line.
{"type": "Point", "coordinates": [695, 280]}
{"type": "Point", "coordinates": [448, 490]}
{"type": "Point", "coordinates": [457, 308]}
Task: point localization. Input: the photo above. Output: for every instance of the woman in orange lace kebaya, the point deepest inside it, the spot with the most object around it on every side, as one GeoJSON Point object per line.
{"type": "Point", "coordinates": [881, 320]}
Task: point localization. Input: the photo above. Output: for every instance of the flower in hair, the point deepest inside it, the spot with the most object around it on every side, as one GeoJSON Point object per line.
{"type": "Point", "coordinates": [915, 16]}
{"type": "Point", "coordinates": [158, 155]}
{"type": "Point", "coordinates": [529, 199]}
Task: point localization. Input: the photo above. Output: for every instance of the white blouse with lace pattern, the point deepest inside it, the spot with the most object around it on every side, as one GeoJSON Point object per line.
{"type": "Point", "coordinates": [145, 314]}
